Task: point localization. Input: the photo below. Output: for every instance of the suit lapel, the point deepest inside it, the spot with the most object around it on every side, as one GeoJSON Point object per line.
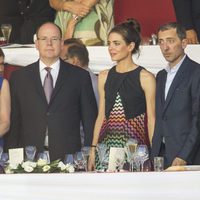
{"type": "Point", "coordinates": [162, 87]}
{"type": "Point", "coordinates": [182, 72]}
{"type": "Point", "coordinates": [35, 74]}
{"type": "Point", "coordinates": [60, 80]}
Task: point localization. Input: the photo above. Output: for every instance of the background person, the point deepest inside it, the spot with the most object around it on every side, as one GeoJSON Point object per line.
{"type": "Point", "coordinates": [188, 14]}
{"type": "Point", "coordinates": [76, 53]}
{"type": "Point", "coordinates": [25, 16]}
{"type": "Point", "coordinates": [176, 135]}
{"type": "Point", "coordinates": [49, 117]}
{"type": "Point", "coordinates": [95, 19]}
{"type": "Point", "coordinates": [127, 95]}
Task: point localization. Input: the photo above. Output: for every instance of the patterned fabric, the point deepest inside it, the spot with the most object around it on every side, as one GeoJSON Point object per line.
{"type": "Point", "coordinates": [93, 28]}
{"type": "Point", "coordinates": [117, 129]}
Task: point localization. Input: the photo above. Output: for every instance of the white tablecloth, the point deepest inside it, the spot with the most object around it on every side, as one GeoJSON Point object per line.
{"type": "Point", "coordinates": [102, 186]}
{"type": "Point", "coordinates": [150, 57]}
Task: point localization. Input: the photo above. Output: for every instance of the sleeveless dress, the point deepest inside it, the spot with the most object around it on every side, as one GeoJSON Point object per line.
{"type": "Point", "coordinates": [1, 81]}
{"type": "Point", "coordinates": [125, 108]}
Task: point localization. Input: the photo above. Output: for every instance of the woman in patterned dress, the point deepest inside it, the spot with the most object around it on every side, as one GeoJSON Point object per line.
{"type": "Point", "coordinates": [127, 95]}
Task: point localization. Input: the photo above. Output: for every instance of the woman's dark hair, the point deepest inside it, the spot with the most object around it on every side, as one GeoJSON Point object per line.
{"type": "Point", "coordinates": [130, 31]}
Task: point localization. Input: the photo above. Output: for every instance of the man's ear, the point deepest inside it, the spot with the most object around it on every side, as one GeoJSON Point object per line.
{"type": "Point", "coordinates": [184, 43]}
{"type": "Point", "coordinates": [75, 61]}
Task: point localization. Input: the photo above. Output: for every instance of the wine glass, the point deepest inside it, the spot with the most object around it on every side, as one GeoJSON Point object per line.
{"type": "Point", "coordinates": [131, 146]}
{"type": "Point", "coordinates": [6, 30]}
{"type": "Point", "coordinates": [1, 151]}
{"type": "Point", "coordinates": [79, 161]}
{"type": "Point", "coordinates": [103, 155]}
{"type": "Point", "coordinates": [85, 152]}
{"type": "Point", "coordinates": [142, 155]}
{"type": "Point", "coordinates": [69, 159]}
{"type": "Point", "coordinates": [4, 159]}
{"type": "Point", "coordinates": [30, 152]}
{"type": "Point", "coordinates": [119, 161]}
{"type": "Point", "coordinates": [43, 156]}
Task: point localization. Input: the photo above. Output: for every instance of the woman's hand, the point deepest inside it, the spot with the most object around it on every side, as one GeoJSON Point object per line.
{"type": "Point", "coordinates": [91, 160]}
{"type": "Point", "coordinates": [76, 8]}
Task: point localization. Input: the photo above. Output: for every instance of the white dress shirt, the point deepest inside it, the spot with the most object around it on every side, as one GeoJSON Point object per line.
{"type": "Point", "coordinates": [54, 71]}
{"type": "Point", "coordinates": [171, 73]}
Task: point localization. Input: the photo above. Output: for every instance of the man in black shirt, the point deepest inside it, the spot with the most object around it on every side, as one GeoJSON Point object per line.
{"type": "Point", "coordinates": [25, 16]}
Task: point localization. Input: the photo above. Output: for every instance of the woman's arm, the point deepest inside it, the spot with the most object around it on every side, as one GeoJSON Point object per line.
{"type": "Point", "coordinates": [101, 116]}
{"type": "Point", "coordinates": [4, 108]}
{"type": "Point", "coordinates": [75, 7]}
{"type": "Point", "coordinates": [148, 83]}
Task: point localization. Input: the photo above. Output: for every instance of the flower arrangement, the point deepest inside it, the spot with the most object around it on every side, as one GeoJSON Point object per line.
{"type": "Point", "coordinates": [41, 166]}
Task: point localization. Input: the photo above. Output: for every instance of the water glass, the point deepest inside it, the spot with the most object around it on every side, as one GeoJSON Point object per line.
{"type": "Point", "coordinates": [158, 164]}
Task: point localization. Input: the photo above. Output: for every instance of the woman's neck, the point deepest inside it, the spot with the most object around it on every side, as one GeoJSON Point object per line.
{"type": "Point", "coordinates": [125, 66]}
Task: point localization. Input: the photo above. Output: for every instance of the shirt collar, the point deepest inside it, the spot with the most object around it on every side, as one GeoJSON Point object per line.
{"type": "Point", "coordinates": [176, 67]}
{"type": "Point", "coordinates": [54, 66]}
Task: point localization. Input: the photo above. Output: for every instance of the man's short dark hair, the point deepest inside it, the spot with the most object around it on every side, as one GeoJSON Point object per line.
{"type": "Point", "coordinates": [79, 51]}
{"type": "Point", "coordinates": [71, 41]}
{"type": "Point", "coordinates": [180, 30]}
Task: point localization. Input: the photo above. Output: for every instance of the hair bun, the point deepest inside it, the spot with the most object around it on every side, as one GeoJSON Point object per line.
{"type": "Point", "coordinates": [131, 22]}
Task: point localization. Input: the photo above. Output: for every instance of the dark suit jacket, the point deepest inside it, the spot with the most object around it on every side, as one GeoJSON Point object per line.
{"type": "Point", "coordinates": [177, 117]}
{"type": "Point", "coordinates": [72, 100]}
{"type": "Point", "coordinates": [188, 14]}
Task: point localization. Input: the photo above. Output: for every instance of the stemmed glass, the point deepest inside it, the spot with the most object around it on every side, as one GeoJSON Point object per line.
{"type": "Point", "coordinates": [1, 152]}
{"type": "Point", "coordinates": [30, 152]}
{"type": "Point", "coordinates": [43, 156]}
{"type": "Point", "coordinates": [131, 146]}
{"type": "Point", "coordinates": [119, 161]}
{"type": "Point", "coordinates": [142, 154]}
{"type": "Point", "coordinates": [85, 152]}
{"type": "Point", "coordinates": [103, 155]}
{"type": "Point", "coordinates": [69, 159]}
{"type": "Point", "coordinates": [6, 30]}
{"type": "Point", "coordinates": [79, 161]}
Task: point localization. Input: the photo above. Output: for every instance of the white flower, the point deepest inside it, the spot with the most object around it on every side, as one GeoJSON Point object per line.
{"type": "Point", "coordinates": [28, 169]}
{"type": "Point", "coordinates": [8, 170]}
{"type": "Point", "coordinates": [41, 162]}
{"type": "Point", "coordinates": [13, 166]}
{"type": "Point", "coordinates": [70, 168]}
{"type": "Point", "coordinates": [62, 166]}
{"type": "Point", "coordinates": [46, 168]}
{"type": "Point", "coordinates": [29, 163]}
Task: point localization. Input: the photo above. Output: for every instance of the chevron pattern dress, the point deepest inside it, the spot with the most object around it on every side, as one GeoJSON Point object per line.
{"type": "Point", "coordinates": [117, 128]}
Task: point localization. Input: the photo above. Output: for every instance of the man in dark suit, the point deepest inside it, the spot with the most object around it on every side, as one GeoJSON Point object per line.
{"type": "Point", "coordinates": [53, 124]}
{"type": "Point", "coordinates": [177, 135]}
{"type": "Point", "coordinates": [188, 14]}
